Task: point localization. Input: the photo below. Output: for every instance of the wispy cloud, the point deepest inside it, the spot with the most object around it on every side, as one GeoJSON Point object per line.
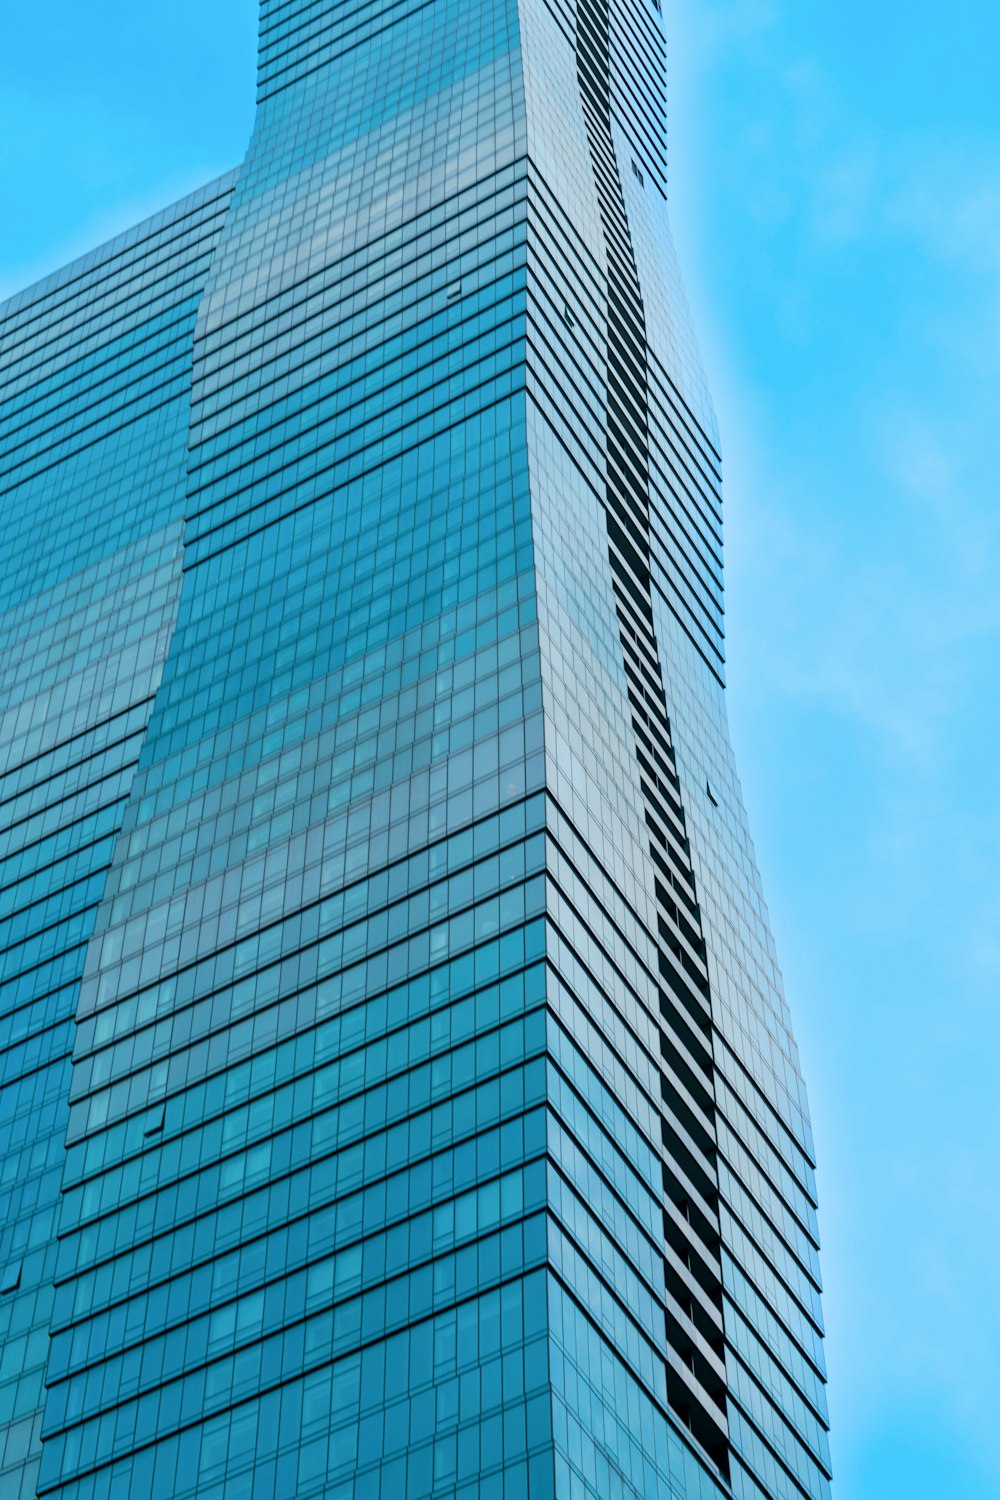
{"type": "Point", "coordinates": [847, 239]}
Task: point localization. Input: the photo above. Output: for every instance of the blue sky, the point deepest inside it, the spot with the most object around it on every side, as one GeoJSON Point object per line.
{"type": "Point", "coordinates": [837, 207]}
{"type": "Point", "coordinates": [836, 203]}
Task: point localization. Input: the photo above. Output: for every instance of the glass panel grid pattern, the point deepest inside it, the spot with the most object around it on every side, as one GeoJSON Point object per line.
{"type": "Point", "coordinates": [398, 1093]}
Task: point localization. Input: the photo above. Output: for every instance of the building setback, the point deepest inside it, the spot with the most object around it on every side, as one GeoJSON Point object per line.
{"type": "Point", "coordinates": [398, 1093]}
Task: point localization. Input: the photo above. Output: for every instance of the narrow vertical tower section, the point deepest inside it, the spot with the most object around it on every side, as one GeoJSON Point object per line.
{"type": "Point", "coordinates": [696, 1377]}
{"type": "Point", "coordinates": [647, 807]}
{"type": "Point", "coordinates": [95, 373]}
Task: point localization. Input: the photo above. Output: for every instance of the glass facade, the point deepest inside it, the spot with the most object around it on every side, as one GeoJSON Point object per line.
{"type": "Point", "coordinates": [398, 1094]}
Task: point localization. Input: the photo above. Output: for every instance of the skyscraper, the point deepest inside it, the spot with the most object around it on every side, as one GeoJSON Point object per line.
{"type": "Point", "coordinates": [399, 1097]}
